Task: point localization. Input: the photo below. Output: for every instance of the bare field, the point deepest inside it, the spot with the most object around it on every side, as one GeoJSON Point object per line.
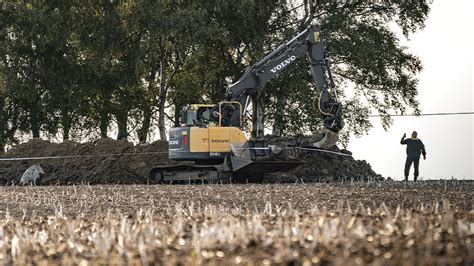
{"type": "Point", "coordinates": [338, 223]}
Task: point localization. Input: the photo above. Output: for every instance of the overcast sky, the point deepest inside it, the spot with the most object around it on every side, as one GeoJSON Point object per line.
{"type": "Point", "coordinates": [445, 47]}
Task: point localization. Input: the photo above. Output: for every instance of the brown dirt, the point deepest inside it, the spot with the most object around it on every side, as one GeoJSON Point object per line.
{"type": "Point", "coordinates": [108, 161]}
{"type": "Point", "coordinates": [321, 166]}
{"type": "Point", "coordinates": [104, 161]}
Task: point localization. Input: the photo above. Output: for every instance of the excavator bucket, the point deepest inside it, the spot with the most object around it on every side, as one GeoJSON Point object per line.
{"type": "Point", "coordinates": [328, 141]}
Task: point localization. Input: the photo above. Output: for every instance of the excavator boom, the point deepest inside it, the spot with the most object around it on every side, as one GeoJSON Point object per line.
{"type": "Point", "coordinates": [310, 43]}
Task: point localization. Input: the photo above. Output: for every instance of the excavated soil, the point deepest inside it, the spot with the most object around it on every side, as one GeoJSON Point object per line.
{"type": "Point", "coordinates": [320, 165]}
{"type": "Point", "coordinates": [108, 161]}
{"type": "Point", "coordinates": [105, 161]}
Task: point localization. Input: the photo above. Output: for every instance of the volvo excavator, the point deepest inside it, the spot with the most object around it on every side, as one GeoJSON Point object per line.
{"type": "Point", "coordinates": [211, 142]}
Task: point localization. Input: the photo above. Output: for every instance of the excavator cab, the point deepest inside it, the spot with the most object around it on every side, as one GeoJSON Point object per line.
{"type": "Point", "coordinates": [198, 115]}
{"type": "Point", "coordinates": [226, 113]}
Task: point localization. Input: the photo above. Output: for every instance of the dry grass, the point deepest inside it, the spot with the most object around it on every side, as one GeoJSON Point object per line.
{"type": "Point", "coordinates": [380, 223]}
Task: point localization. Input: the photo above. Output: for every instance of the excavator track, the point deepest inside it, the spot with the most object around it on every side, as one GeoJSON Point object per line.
{"type": "Point", "coordinates": [235, 170]}
{"type": "Point", "coordinates": [186, 173]}
{"type": "Point", "coordinates": [201, 174]}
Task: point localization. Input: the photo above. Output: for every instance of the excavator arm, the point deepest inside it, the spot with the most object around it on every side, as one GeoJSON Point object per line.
{"type": "Point", "coordinates": [308, 42]}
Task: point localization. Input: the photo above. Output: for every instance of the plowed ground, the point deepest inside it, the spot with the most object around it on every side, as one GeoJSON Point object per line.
{"type": "Point", "coordinates": [384, 223]}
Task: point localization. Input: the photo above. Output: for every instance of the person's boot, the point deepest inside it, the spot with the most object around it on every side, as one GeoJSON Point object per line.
{"type": "Point", "coordinates": [415, 178]}
{"type": "Point", "coordinates": [406, 178]}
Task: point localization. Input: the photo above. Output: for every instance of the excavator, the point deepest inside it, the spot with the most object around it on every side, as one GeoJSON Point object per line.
{"type": "Point", "coordinates": [210, 142]}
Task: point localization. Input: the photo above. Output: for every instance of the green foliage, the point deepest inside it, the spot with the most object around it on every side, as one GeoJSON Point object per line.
{"type": "Point", "coordinates": [368, 57]}
{"type": "Point", "coordinates": [373, 71]}
{"type": "Point", "coordinates": [80, 68]}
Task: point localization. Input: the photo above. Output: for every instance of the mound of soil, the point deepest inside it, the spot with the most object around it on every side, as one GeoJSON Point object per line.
{"type": "Point", "coordinates": [322, 166]}
{"type": "Point", "coordinates": [105, 161]}
{"type": "Point", "coordinates": [108, 161]}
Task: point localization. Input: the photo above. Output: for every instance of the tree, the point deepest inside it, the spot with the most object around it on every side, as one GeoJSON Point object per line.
{"type": "Point", "coordinates": [368, 54]}
{"type": "Point", "coordinates": [40, 66]}
{"type": "Point", "coordinates": [76, 66]}
{"type": "Point", "coordinates": [23, 42]}
{"type": "Point", "coordinates": [59, 72]}
{"type": "Point", "coordinates": [171, 31]}
{"type": "Point", "coordinates": [8, 115]}
{"type": "Point", "coordinates": [5, 123]}
{"type": "Point", "coordinates": [367, 57]}
{"type": "Point", "coordinates": [240, 44]}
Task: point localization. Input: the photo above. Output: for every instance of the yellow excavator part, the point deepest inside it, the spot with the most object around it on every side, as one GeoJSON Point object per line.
{"type": "Point", "coordinates": [215, 139]}
{"type": "Point", "coordinates": [199, 139]}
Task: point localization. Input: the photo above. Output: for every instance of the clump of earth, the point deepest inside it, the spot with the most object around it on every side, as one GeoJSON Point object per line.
{"type": "Point", "coordinates": [322, 165]}
{"type": "Point", "coordinates": [108, 161]}
{"type": "Point", "coordinates": [105, 161]}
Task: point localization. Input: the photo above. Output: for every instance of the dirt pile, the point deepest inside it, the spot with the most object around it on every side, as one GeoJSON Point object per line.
{"type": "Point", "coordinates": [107, 161]}
{"type": "Point", "coordinates": [321, 166]}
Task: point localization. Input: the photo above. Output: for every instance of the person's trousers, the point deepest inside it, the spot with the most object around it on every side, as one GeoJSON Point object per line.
{"type": "Point", "coordinates": [408, 163]}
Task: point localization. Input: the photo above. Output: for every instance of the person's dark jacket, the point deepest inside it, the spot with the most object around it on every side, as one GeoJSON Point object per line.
{"type": "Point", "coordinates": [414, 148]}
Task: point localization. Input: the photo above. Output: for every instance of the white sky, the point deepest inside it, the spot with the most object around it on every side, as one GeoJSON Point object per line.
{"type": "Point", "coordinates": [445, 47]}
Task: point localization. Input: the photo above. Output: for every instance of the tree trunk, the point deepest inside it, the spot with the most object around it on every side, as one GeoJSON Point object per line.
{"type": "Point", "coordinates": [104, 114]}
{"type": "Point", "coordinates": [8, 124]}
{"type": "Point", "coordinates": [122, 120]}
{"type": "Point", "coordinates": [162, 101]}
{"type": "Point", "coordinates": [161, 118]}
{"type": "Point", "coordinates": [104, 123]}
{"type": "Point", "coordinates": [177, 115]}
{"type": "Point", "coordinates": [258, 108]}
{"type": "Point", "coordinates": [2, 144]}
{"type": "Point", "coordinates": [3, 125]}
{"type": "Point", "coordinates": [66, 130]}
{"type": "Point", "coordinates": [279, 121]}
{"type": "Point", "coordinates": [66, 123]}
{"type": "Point", "coordinates": [34, 121]}
{"type": "Point", "coordinates": [142, 132]}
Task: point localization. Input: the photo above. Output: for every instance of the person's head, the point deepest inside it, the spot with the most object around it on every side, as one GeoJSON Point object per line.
{"type": "Point", "coordinates": [414, 134]}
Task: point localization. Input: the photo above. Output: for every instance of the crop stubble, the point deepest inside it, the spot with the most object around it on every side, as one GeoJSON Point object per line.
{"type": "Point", "coordinates": [381, 223]}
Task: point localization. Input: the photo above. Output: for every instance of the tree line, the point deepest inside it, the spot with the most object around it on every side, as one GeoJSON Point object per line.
{"type": "Point", "coordinates": [126, 68]}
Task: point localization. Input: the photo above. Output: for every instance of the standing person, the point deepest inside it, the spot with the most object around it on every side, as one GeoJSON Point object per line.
{"type": "Point", "coordinates": [415, 147]}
